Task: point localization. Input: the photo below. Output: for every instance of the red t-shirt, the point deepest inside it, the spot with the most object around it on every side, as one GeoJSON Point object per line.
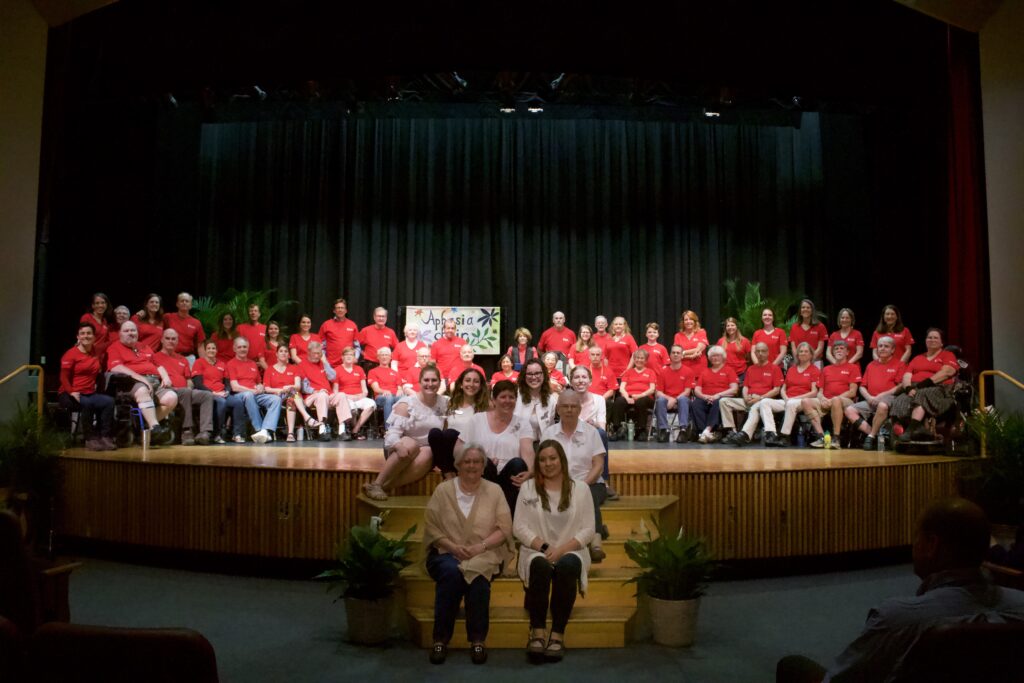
{"type": "Point", "coordinates": [736, 358]}
{"type": "Point", "coordinates": [212, 373]}
{"type": "Point", "coordinates": [445, 353]}
{"type": "Point", "coordinates": [836, 379]}
{"type": "Point", "coordinates": [657, 355]}
{"type": "Point", "coordinates": [139, 359]}
{"type": "Point", "coordinates": [350, 382]}
{"type": "Point", "coordinates": [388, 379]}
{"type": "Point", "coordinates": [674, 382]}
{"type": "Point", "coordinates": [601, 381]}
{"type": "Point", "coordinates": [405, 357]}
{"type": "Point", "coordinates": [776, 341]}
{"type": "Point", "coordinates": [78, 371]}
{"type": "Point", "coordinates": [903, 340]}
{"type": "Point", "coordinates": [190, 332]}
{"type": "Point", "coordinates": [103, 333]}
{"type": "Point", "coordinates": [270, 353]}
{"type": "Point", "coordinates": [817, 333]}
{"type": "Point", "coordinates": [226, 347]}
{"type": "Point", "coordinates": [687, 343]}
{"type": "Point", "coordinates": [881, 377]}
{"type": "Point", "coordinates": [301, 345]}
{"type": "Point", "coordinates": [372, 338]}
{"type": "Point", "coordinates": [853, 340]}
{"type": "Point", "coordinates": [149, 334]}
{"type": "Point", "coordinates": [499, 375]}
{"type": "Point", "coordinates": [713, 381]}
{"type": "Point", "coordinates": [560, 341]}
{"type": "Point", "coordinates": [921, 368]}
{"type": "Point", "coordinates": [557, 376]}
{"type": "Point", "coordinates": [760, 379]}
{"type": "Point", "coordinates": [256, 335]}
{"type": "Point", "coordinates": [617, 353]}
{"type": "Point", "coordinates": [639, 381]}
{"type": "Point", "coordinates": [798, 382]}
{"type": "Point", "coordinates": [601, 339]}
{"type": "Point", "coordinates": [338, 334]}
{"type": "Point", "coordinates": [316, 375]}
{"type": "Point", "coordinates": [245, 372]}
{"type": "Point", "coordinates": [580, 357]}
{"type": "Point", "coordinates": [176, 366]}
{"type": "Point", "coordinates": [460, 367]}
{"type": "Point", "coordinates": [412, 377]}
{"type": "Point", "coordinates": [279, 380]}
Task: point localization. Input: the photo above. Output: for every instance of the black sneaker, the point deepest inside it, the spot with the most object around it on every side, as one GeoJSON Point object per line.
{"type": "Point", "coordinates": [739, 439]}
{"type": "Point", "coordinates": [681, 436]}
{"type": "Point", "coordinates": [870, 443]}
{"type": "Point", "coordinates": [771, 439]}
{"type": "Point", "coordinates": [160, 435]}
{"type": "Point", "coordinates": [662, 436]}
{"type": "Point", "coordinates": [613, 435]}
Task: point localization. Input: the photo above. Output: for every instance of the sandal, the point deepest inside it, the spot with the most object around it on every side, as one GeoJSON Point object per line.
{"type": "Point", "coordinates": [290, 437]}
{"type": "Point", "coordinates": [312, 423]}
{"type": "Point", "coordinates": [555, 650]}
{"type": "Point", "coordinates": [535, 648]}
{"type": "Point", "coordinates": [374, 492]}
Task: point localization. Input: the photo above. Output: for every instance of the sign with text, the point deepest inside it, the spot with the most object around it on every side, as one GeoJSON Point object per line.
{"type": "Point", "coordinates": [478, 325]}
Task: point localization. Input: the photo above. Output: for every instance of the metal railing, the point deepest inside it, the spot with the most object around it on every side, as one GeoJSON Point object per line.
{"type": "Point", "coordinates": [40, 395]}
{"type": "Point", "coordinates": [981, 393]}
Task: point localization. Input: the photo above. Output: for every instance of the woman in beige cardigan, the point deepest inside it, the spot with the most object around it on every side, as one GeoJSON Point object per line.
{"type": "Point", "coordinates": [469, 536]}
{"type": "Point", "coordinates": [554, 522]}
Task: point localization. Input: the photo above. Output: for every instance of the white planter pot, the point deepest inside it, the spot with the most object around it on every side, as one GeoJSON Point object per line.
{"type": "Point", "coordinates": [674, 622]}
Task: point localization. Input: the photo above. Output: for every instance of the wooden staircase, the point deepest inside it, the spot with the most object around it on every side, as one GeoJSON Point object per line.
{"type": "Point", "coordinates": [604, 618]}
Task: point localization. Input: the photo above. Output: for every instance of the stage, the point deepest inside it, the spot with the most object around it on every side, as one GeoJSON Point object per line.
{"type": "Point", "coordinates": [297, 500]}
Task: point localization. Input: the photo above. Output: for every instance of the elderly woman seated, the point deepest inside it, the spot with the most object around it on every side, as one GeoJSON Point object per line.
{"type": "Point", "coordinates": [927, 388]}
{"type": "Point", "coordinates": [468, 533]}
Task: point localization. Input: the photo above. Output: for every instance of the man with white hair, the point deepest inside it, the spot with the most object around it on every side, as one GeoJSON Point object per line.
{"type": "Point", "coordinates": [246, 381]}
{"type": "Point", "coordinates": [558, 339]}
{"type": "Point", "coordinates": [762, 381]}
{"type": "Point", "coordinates": [880, 381]}
{"type": "Point", "coordinates": [152, 389]}
{"type": "Point", "coordinates": [190, 331]}
{"type": "Point", "coordinates": [374, 337]}
{"type": "Point", "coordinates": [180, 374]}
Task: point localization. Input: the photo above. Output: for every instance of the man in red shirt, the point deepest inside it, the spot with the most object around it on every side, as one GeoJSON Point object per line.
{"type": "Point", "coordinates": [246, 381]}
{"type": "Point", "coordinates": [445, 351]}
{"type": "Point", "coordinates": [839, 383]}
{"type": "Point", "coordinates": [763, 380]}
{"type": "Point", "coordinates": [636, 394]}
{"type": "Point", "coordinates": [465, 362]}
{"type": "Point", "coordinates": [674, 394]}
{"type": "Point", "coordinates": [190, 331]}
{"type": "Point", "coordinates": [881, 380]}
{"type": "Point", "coordinates": [411, 377]}
{"type": "Point", "coordinates": [180, 374]}
{"type": "Point", "coordinates": [376, 336]}
{"type": "Point", "coordinates": [385, 383]}
{"type": "Point", "coordinates": [321, 392]}
{"type": "Point", "coordinates": [256, 333]}
{"type": "Point", "coordinates": [127, 357]}
{"type": "Point", "coordinates": [603, 384]}
{"type": "Point", "coordinates": [559, 339]}
{"type": "Point", "coordinates": [338, 333]}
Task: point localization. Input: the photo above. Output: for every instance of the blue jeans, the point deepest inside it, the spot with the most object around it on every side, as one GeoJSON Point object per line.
{"type": "Point", "coordinates": [449, 588]}
{"type": "Point", "coordinates": [100, 406]}
{"type": "Point", "coordinates": [705, 415]}
{"type": "Point", "coordinates": [385, 403]}
{"type": "Point", "coordinates": [253, 402]}
{"type": "Point", "coordinates": [661, 412]}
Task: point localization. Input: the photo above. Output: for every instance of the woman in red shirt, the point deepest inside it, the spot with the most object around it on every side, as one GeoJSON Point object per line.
{"type": "Point", "coordinates": [225, 336]}
{"type": "Point", "coordinates": [808, 329]}
{"type": "Point", "coordinates": [854, 340]}
{"type": "Point", "coordinates": [713, 384]}
{"type": "Point", "coordinates": [404, 356]}
{"type": "Point", "coordinates": [283, 379]}
{"type": "Point", "coordinates": [620, 347]}
{"type": "Point", "coordinates": [298, 344]}
{"type": "Point", "coordinates": [504, 371]}
{"type": "Point", "coordinates": [521, 351]}
{"type": "Point", "coordinates": [150, 321]}
{"type": "Point", "coordinates": [79, 368]}
{"type": "Point", "coordinates": [891, 325]}
{"type": "Point", "coordinates": [101, 317]}
{"type": "Point", "coordinates": [692, 340]}
{"type": "Point", "coordinates": [737, 348]}
{"type": "Point", "coordinates": [773, 337]}
{"type": "Point", "coordinates": [270, 344]}
{"type": "Point", "coordinates": [581, 351]}
{"type": "Point", "coordinates": [927, 388]}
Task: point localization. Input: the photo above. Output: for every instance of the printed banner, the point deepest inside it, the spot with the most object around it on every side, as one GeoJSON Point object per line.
{"type": "Point", "coordinates": [479, 326]}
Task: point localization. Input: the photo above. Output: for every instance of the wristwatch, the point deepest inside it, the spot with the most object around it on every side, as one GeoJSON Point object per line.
{"type": "Point", "coordinates": [544, 547]}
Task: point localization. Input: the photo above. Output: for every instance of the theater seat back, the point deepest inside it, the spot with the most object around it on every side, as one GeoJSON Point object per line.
{"type": "Point", "coordinates": [989, 653]}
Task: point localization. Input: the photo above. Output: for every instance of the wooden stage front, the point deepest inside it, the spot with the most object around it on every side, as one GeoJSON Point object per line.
{"type": "Point", "coordinates": [298, 500]}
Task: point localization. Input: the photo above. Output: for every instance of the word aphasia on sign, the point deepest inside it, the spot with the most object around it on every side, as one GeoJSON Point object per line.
{"type": "Point", "coordinates": [478, 325]}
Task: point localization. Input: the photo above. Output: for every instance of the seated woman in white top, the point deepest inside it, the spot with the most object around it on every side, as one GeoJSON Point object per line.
{"type": "Point", "coordinates": [408, 456]}
{"type": "Point", "coordinates": [535, 403]}
{"type": "Point", "coordinates": [507, 439]}
{"type": "Point", "coordinates": [554, 522]}
{"type": "Point", "coordinates": [470, 395]}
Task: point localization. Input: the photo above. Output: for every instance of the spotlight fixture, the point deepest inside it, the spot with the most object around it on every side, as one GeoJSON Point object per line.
{"type": "Point", "coordinates": [711, 114]}
{"type": "Point", "coordinates": [535, 110]}
{"type": "Point", "coordinates": [507, 110]}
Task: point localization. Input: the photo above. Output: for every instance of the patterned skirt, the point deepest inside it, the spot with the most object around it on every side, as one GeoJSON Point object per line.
{"type": "Point", "coordinates": [935, 401]}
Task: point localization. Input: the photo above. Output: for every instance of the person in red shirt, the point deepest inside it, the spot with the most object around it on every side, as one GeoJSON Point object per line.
{"type": "Point", "coordinates": [601, 331]}
{"type": "Point", "coordinates": [150, 321]}
{"type": "Point", "coordinates": [128, 357]}
{"type": "Point", "coordinates": [256, 333]}
{"type": "Point", "coordinates": [504, 371]}
{"type": "Point", "coordinates": [385, 382]}
{"type": "Point", "coordinates": [808, 329]}
{"type": "Point", "coordinates": [763, 381]}
{"type": "Point", "coordinates": [714, 383]}
{"type": "Point", "coordinates": [674, 391]}
{"type": "Point", "coordinates": [320, 389]}
{"type": "Point", "coordinates": [801, 382]}
{"type": "Point", "coordinates": [559, 339]}
{"type": "Point", "coordinates": [581, 349]}
{"type": "Point", "coordinates": [466, 356]}
{"type": "Point", "coordinates": [839, 383]}
{"type": "Point", "coordinates": [352, 383]}
{"type": "Point", "coordinates": [891, 325]}
{"type": "Point", "coordinates": [927, 388]}
{"type": "Point", "coordinates": [180, 374]}
{"type": "Point", "coordinates": [284, 380]}
{"type": "Point", "coordinates": [225, 336]}
{"type": "Point", "coordinates": [603, 383]}
{"type": "Point", "coordinates": [121, 316]}
{"type": "Point", "coordinates": [636, 396]}
{"type": "Point", "coordinates": [190, 331]}
{"type": "Point", "coordinates": [210, 374]}
{"type": "Point", "coordinates": [101, 317]}
{"type": "Point", "coordinates": [881, 380]}
{"type": "Point", "coordinates": [338, 333]}
{"type": "Point", "coordinates": [657, 354]}
{"type": "Point", "coordinates": [619, 348]}
{"type": "Point", "coordinates": [445, 351]}
{"type": "Point", "coordinates": [693, 340]}
{"type": "Point", "coordinates": [273, 340]}
{"type": "Point", "coordinates": [298, 344]}
{"type": "Point", "coordinates": [854, 340]}
{"type": "Point", "coordinates": [411, 377]}
{"type": "Point", "coordinates": [404, 355]}
{"type": "Point", "coordinates": [737, 347]}
{"type": "Point", "coordinates": [556, 379]}
{"type": "Point", "coordinates": [246, 381]}
{"type": "Point", "coordinates": [376, 336]}
{"type": "Point", "coordinates": [521, 351]}
{"type": "Point", "coordinates": [774, 337]}
{"type": "Point", "coordinates": [79, 368]}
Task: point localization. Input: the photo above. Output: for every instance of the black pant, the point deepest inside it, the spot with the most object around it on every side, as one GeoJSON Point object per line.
{"type": "Point", "coordinates": [504, 479]}
{"type": "Point", "coordinates": [90, 406]}
{"type": "Point", "coordinates": [798, 669]}
{"type": "Point", "coordinates": [705, 414]}
{"type": "Point", "coordinates": [560, 580]}
{"type": "Point", "coordinates": [442, 447]}
{"type": "Point", "coordinates": [449, 588]}
{"type": "Point", "coordinates": [641, 412]}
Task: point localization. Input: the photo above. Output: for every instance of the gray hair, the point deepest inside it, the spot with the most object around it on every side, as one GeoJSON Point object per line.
{"type": "Point", "coordinates": [238, 341]}
{"type": "Point", "coordinates": [466, 449]}
{"type": "Point", "coordinates": [761, 345]}
{"type": "Point", "coordinates": [716, 350]}
{"type": "Point", "coordinates": [886, 340]}
{"type": "Point", "coordinates": [801, 345]}
{"type": "Point", "coordinates": [313, 344]}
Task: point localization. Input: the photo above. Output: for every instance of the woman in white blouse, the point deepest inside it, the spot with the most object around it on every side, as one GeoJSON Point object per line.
{"type": "Point", "coordinates": [407, 453]}
{"type": "Point", "coordinates": [535, 403]}
{"type": "Point", "coordinates": [470, 396]}
{"type": "Point", "coordinates": [554, 522]}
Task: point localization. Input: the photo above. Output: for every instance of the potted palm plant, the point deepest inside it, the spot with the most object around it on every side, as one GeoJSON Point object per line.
{"type": "Point", "coordinates": [996, 482]}
{"type": "Point", "coordinates": [674, 570]}
{"type": "Point", "coordinates": [367, 574]}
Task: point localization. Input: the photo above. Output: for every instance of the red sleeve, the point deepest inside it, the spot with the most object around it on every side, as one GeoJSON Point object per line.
{"type": "Point", "coordinates": [67, 363]}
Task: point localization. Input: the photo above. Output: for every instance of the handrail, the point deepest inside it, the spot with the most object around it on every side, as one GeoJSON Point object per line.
{"type": "Point", "coordinates": [981, 393]}
{"type": "Point", "coordinates": [40, 396]}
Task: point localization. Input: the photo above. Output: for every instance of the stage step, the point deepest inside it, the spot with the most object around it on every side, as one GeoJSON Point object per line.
{"type": "Point", "coordinates": [589, 627]}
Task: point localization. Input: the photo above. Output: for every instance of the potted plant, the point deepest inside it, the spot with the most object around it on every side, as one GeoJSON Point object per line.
{"type": "Point", "coordinates": [674, 574]}
{"type": "Point", "coordinates": [369, 564]}
{"type": "Point", "coordinates": [30, 470]}
{"type": "Point", "coordinates": [996, 482]}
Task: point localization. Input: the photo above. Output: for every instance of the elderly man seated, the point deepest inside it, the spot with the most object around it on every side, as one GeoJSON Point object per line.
{"type": "Point", "coordinates": [951, 542]}
{"type": "Point", "coordinates": [762, 381]}
{"type": "Point", "coordinates": [880, 383]}
{"type": "Point", "coordinates": [180, 373]}
{"type": "Point", "coordinates": [247, 383]}
{"type": "Point", "coordinates": [152, 389]}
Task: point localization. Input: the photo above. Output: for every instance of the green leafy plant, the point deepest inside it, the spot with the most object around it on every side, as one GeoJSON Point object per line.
{"type": "Point", "coordinates": [996, 482]}
{"type": "Point", "coordinates": [369, 563]}
{"type": "Point", "coordinates": [208, 310]}
{"type": "Point", "coordinates": [30, 448]}
{"type": "Point", "coordinates": [673, 567]}
{"type": "Point", "coordinates": [746, 304]}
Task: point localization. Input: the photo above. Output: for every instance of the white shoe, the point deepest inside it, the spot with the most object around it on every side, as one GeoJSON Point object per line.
{"type": "Point", "coordinates": [261, 436]}
{"type": "Point", "coordinates": [238, 438]}
{"type": "Point", "coordinates": [705, 436]}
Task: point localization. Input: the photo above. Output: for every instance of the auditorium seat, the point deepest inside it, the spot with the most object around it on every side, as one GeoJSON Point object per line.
{"type": "Point", "coordinates": [966, 652]}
